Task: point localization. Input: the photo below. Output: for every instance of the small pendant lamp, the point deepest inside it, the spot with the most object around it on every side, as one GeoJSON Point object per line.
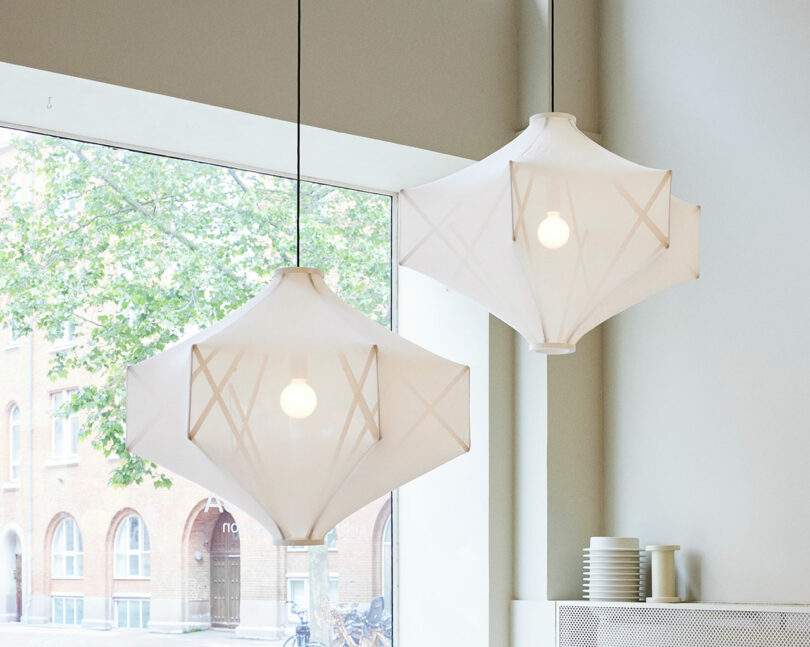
{"type": "Point", "coordinates": [552, 233]}
{"type": "Point", "coordinates": [296, 408]}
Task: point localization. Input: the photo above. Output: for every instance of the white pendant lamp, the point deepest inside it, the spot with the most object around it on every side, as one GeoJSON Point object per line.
{"type": "Point", "coordinates": [296, 408]}
{"type": "Point", "coordinates": [552, 233]}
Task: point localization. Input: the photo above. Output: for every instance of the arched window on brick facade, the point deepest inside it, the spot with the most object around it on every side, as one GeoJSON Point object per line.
{"type": "Point", "coordinates": [131, 546]}
{"type": "Point", "coordinates": [14, 433]}
{"type": "Point", "coordinates": [67, 554]}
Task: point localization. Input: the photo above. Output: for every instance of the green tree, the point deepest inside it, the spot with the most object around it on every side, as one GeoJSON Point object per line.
{"type": "Point", "coordinates": [139, 250]}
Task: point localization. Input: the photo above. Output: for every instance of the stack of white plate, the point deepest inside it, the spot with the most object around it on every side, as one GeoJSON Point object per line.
{"type": "Point", "coordinates": [613, 570]}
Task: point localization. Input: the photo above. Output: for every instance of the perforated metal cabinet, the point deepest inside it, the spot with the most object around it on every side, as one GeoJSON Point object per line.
{"type": "Point", "coordinates": [688, 625]}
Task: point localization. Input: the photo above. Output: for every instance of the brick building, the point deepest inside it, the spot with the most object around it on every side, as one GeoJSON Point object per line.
{"type": "Point", "coordinates": [76, 551]}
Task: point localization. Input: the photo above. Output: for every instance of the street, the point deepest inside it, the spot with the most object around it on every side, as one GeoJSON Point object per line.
{"type": "Point", "coordinates": [19, 635]}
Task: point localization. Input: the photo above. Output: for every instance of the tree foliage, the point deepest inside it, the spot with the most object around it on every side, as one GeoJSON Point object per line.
{"type": "Point", "coordinates": [139, 250]}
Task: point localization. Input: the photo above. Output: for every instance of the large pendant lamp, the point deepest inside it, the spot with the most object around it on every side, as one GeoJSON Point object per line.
{"type": "Point", "coordinates": [296, 408]}
{"type": "Point", "coordinates": [552, 233]}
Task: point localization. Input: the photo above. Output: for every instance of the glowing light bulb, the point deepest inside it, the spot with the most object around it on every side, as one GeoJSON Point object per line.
{"type": "Point", "coordinates": [553, 231]}
{"type": "Point", "coordinates": [298, 399]}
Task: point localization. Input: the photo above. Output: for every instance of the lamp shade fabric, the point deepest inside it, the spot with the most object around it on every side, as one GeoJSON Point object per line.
{"type": "Point", "coordinates": [298, 409]}
{"type": "Point", "coordinates": [552, 233]}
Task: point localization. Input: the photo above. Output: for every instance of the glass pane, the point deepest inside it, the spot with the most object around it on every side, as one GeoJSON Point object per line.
{"type": "Point", "coordinates": [79, 611]}
{"type": "Point", "coordinates": [58, 565]}
{"type": "Point", "coordinates": [134, 614]}
{"type": "Point", "coordinates": [69, 610]}
{"type": "Point", "coordinates": [121, 612]}
{"type": "Point", "coordinates": [67, 531]}
{"type": "Point", "coordinates": [122, 537]}
{"type": "Point", "coordinates": [58, 611]}
{"type": "Point", "coordinates": [59, 539]}
{"type": "Point", "coordinates": [74, 435]}
{"type": "Point", "coordinates": [14, 440]}
{"type": "Point", "coordinates": [149, 288]}
{"type": "Point", "coordinates": [145, 613]}
{"type": "Point", "coordinates": [347, 234]}
{"type": "Point", "coordinates": [120, 565]}
{"type": "Point", "coordinates": [298, 593]}
{"type": "Point", "coordinates": [134, 526]}
{"type": "Point", "coordinates": [58, 437]}
{"type": "Point", "coordinates": [69, 565]}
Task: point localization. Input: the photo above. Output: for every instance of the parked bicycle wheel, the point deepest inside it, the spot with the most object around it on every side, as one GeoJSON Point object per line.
{"type": "Point", "coordinates": [292, 641]}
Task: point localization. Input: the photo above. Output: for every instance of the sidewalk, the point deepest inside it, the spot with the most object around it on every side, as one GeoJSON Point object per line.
{"type": "Point", "coordinates": [19, 635]}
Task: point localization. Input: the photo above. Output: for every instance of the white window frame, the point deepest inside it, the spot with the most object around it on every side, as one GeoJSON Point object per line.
{"type": "Point", "coordinates": [77, 599]}
{"type": "Point", "coordinates": [59, 550]}
{"type": "Point", "coordinates": [113, 115]}
{"type": "Point", "coordinates": [130, 599]}
{"type": "Point", "coordinates": [68, 338]}
{"type": "Point", "coordinates": [385, 574]}
{"type": "Point", "coordinates": [142, 552]}
{"type": "Point", "coordinates": [13, 339]}
{"type": "Point", "coordinates": [65, 452]}
{"type": "Point", "coordinates": [304, 577]}
{"type": "Point", "coordinates": [14, 448]}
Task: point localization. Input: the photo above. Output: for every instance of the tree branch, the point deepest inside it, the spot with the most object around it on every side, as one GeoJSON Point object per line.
{"type": "Point", "coordinates": [236, 179]}
{"type": "Point", "coordinates": [137, 206]}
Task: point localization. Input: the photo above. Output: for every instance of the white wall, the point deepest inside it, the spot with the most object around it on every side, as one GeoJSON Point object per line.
{"type": "Point", "coordinates": [576, 61]}
{"type": "Point", "coordinates": [444, 516]}
{"type": "Point", "coordinates": [501, 479]}
{"type": "Point", "coordinates": [532, 613]}
{"type": "Point", "coordinates": [708, 384]}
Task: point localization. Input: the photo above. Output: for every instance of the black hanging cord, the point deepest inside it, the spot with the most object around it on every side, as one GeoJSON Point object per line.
{"type": "Point", "coordinates": [298, 152]}
{"type": "Point", "coordinates": [551, 6]}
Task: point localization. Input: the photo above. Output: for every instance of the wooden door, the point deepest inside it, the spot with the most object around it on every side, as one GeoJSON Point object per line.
{"type": "Point", "coordinates": [225, 572]}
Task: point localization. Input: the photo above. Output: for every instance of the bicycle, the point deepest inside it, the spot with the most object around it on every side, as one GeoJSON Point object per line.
{"type": "Point", "coordinates": [352, 628]}
{"type": "Point", "coordinates": [302, 630]}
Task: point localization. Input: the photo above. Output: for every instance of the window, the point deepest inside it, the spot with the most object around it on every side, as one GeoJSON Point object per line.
{"type": "Point", "coordinates": [14, 427]}
{"type": "Point", "coordinates": [65, 427]}
{"type": "Point", "coordinates": [131, 613]}
{"type": "Point", "coordinates": [67, 550]}
{"type": "Point", "coordinates": [132, 549]}
{"type": "Point", "coordinates": [298, 592]}
{"type": "Point", "coordinates": [68, 610]}
{"type": "Point", "coordinates": [386, 564]}
{"type": "Point", "coordinates": [174, 246]}
{"type": "Point", "coordinates": [68, 335]}
{"type": "Point", "coordinates": [13, 338]}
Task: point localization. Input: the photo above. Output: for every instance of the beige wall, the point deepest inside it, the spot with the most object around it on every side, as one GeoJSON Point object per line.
{"type": "Point", "coordinates": [708, 384]}
{"type": "Point", "coordinates": [576, 61]}
{"type": "Point", "coordinates": [575, 463]}
{"type": "Point", "coordinates": [435, 75]}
